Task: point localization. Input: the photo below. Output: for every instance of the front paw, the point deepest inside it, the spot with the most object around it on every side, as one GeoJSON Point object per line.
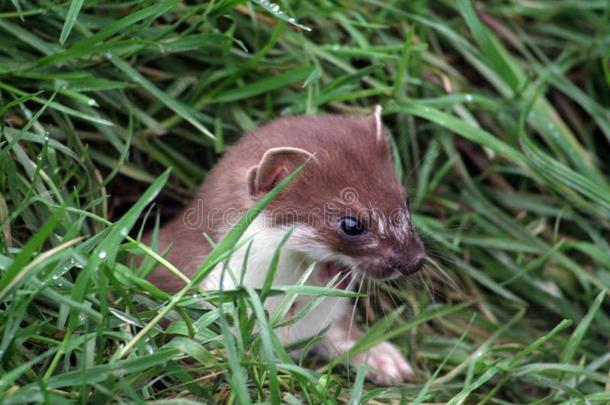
{"type": "Point", "coordinates": [387, 365]}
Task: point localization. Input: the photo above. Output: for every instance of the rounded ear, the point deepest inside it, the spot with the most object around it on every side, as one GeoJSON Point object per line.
{"type": "Point", "coordinates": [275, 164]}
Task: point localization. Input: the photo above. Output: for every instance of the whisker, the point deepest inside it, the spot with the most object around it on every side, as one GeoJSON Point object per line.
{"type": "Point", "coordinates": [351, 322]}
{"type": "Point", "coordinates": [391, 292]}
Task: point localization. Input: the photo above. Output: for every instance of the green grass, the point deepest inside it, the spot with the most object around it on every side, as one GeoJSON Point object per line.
{"type": "Point", "coordinates": [500, 112]}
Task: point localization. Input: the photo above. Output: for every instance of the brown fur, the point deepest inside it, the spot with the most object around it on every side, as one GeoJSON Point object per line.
{"type": "Point", "coordinates": [349, 157]}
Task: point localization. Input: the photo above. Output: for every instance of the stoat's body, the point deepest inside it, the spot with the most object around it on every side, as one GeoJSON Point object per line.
{"type": "Point", "coordinates": [348, 213]}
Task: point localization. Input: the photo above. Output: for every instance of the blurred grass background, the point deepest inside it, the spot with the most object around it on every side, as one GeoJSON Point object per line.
{"type": "Point", "coordinates": [500, 112]}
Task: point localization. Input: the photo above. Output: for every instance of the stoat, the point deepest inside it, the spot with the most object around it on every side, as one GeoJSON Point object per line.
{"type": "Point", "coordinates": [348, 212]}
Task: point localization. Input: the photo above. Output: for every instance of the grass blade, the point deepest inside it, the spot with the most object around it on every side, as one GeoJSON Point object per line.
{"type": "Point", "coordinates": [71, 16]}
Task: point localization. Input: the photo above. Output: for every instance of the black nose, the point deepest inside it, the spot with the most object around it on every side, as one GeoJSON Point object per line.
{"type": "Point", "coordinates": [415, 266]}
{"type": "Point", "coordinates": [410, 266]}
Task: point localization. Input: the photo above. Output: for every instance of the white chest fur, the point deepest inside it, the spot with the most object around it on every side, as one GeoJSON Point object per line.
{"type": "Point", "coordinates": [293, 263]}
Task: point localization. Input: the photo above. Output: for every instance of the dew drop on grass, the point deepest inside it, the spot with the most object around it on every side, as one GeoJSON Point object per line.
{"type": "Point", "coordinates": [276, 10]}
{"type": "Point", "coordinates": [468, 98]}
{"type": "Point", "coordinates": [124, 232]}
{"type": "Point", "coordinates": [102, 254]}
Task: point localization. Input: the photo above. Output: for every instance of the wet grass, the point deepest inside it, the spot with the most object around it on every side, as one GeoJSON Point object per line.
{"type": "Point", "coordinates": [500, 112]}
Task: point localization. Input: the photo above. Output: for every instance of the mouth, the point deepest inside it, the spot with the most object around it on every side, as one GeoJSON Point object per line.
{"type": "Point", "coordinates": [341, 274]}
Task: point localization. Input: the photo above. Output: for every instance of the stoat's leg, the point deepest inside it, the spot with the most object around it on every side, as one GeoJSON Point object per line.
{"type": "Point", "coordinates": [387, 365]}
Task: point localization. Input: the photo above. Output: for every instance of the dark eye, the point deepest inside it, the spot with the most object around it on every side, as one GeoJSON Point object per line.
{"type": "Point", "coordinates": [351, 226]}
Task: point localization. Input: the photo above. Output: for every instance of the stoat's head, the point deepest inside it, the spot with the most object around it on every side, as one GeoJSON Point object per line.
{"type": "Point", "coordinates": [348, 208]}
